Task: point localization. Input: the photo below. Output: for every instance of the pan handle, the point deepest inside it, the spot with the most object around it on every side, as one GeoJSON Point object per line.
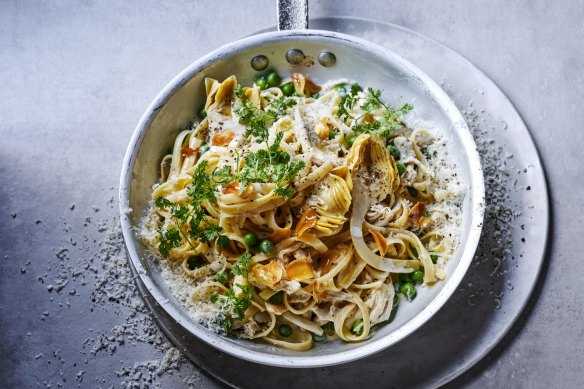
{"type": "Point", "coordinates": [292, 14]}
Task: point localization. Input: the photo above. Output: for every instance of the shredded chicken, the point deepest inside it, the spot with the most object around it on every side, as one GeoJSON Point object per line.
{"type": "Point", "coordinates": [380, 303]}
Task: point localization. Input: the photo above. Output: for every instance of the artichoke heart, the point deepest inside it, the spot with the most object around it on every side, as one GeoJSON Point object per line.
{"type": "Point", "coordinates": [304, 85]}
{"type": "Point", "coordinates": [370, 162]}
{"type": "Point", "coordinates": [253, 95]}
{"type": "Point", "coordinates": [331, 199]}
{"type": "Point", "coordinates": [219, 95]}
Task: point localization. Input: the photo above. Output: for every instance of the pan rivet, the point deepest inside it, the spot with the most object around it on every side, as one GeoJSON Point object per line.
{"type": "Point", "coordinates": [326, 58]}
{"type": "Point", "coordinates": [294, 56]}
{"type": "Point", "coordinates": [260, 62]}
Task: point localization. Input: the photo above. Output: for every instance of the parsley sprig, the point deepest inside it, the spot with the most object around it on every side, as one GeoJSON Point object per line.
{"type": "Point", "coordinates": [370, 101]}
{"type": "Point", "coordinates": [241, 267]}
{"type": "Point", "coordinates": [270, 165]}
{"type": "Point", "coordinates": [257, 121]}
{"type": "Point", "coordinates": [190, 214]}
{"type": "Point", "coordinates": [169, 239]}
{"type": "Point", "coordinates": [281, 105]}
{"type": "Point", "coordinates": [235, 304]}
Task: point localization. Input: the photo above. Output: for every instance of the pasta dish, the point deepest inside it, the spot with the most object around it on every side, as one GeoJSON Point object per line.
{"type": "Point", "coordinates": [298, 213]}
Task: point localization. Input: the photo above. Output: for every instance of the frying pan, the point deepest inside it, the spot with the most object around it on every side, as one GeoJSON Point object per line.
{"type": "Point", "coordinates": [322, 56]}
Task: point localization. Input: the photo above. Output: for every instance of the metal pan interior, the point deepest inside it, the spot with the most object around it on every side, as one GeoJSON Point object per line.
{"type": "Point", "coordinates": [357, 60]}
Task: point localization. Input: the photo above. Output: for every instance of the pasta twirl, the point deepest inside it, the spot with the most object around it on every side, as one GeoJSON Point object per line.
{"type": "Point", "coordinates": [300, 219]}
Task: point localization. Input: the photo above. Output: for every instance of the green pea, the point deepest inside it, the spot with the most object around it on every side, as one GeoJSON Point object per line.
{"type": "Point", "coordinates": [434, 258]}
{"type": "Point", "coordinates": [261, 82]}
{"type": "Point", "coordinates": [329, 328]}
{"type": "Point", "coordinates": [351, 140]}
{"type": "Point", "coordinates": [417, 276]}
{"type": "Point", "coordinates": [277, 298]}
{"type": "Point", "coordinates": [202, 113]}
{"type": "Point", "coordinates": [404, 277]}
{"type": "Point", "coordinates": [203, 149]}
{"type": "Point", "coordinates": [250, 238]}
{"type": "Point", "coordinates": [397, 287]}
{"type": "Point", "coordinates": [288, 89]}
{"type": "Point", "coordinates": [394, 152]}
{"type": "Point", "coordinates": [266, 246]}
{"type": "Point", "coordinates": [401, 168]}
{"type": "Point", "coordinates": [358, 327]}
{"type": "Point", "coordinates": [194, 262]}
{"type": "Point", "coordinates": [222, 277]}
{"type": "Point", "coordinates": [333, 135]}
{"type": "Point", "coordinates": [273, 79]}
{"type": "Point", "coordinates": [341, 90]}
{"type": "Point", "coordinates": [409, 290]}
{"type": "Point", "coordinates": [318, 338]}
{"type": "Point", "coordinates": [413, 191]}
{"type": "Point", "coordinates": [284, 330]}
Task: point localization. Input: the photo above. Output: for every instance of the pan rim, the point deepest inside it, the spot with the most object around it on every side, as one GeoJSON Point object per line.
{"type": "Point", "coordinates": [476, 190]}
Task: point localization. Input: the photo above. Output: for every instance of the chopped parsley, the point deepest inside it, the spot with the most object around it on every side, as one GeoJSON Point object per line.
{"type": "Point", "coordinates": [200, 188]}
{"type": "Point", "coordinates": [161, 202]}
{"type": "Point", "coordinates": [270, 165]}
{"type": "Point", "coordinates": [190, 216]}
{"type": "Point", "coordinates": [233, 304]}
{"type": "Point", "coordinates": [205, 234]}
{"type": "Point", "coordinates": [241, 267]}
{"type": "Point", "coordinates": [223, 241]}
{"type": "Point", "coordinates": [370, 101]}
{"type": "Point", "coordinates": [282, 104]}
{"type": "Point", "coordinates": [239, 91]}
{"type": "Point", "coordinates": [245, 111]}
{"type": "Point", "coordinates": [223, 175]}
{"type": "Point", "coordinates": [256, 120]}
{"type": "Point", "coordinates": [169, 239]}
{"type": "Point", "coordinates": [390, 121]}
{"type": "Point", "coordinates": [222, 277]}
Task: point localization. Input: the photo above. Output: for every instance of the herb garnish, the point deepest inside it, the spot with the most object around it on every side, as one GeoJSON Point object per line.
{"type": "Point", "coordinates": [281, 105]}
{"type": "Point", "coordinates": [256, 120]}
{"type": "Point", "coordinates": [234, 304]}
{"type": "Point", "coordinates": [190, 216]}
{"type": "Point", "coordinates": [241, 267]}
{"type": "Point", "coordinates": [270, 165]}
{"type": "Point", "coordinates": [169, 239]}
{"type": "Point", "coordinates": [370, 101]}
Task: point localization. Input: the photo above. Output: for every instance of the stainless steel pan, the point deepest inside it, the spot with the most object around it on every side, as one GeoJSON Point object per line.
{"type": "Point", "coordinates": [321, 55]}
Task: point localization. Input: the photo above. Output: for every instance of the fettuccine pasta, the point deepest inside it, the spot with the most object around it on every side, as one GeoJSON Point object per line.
{"type": "Point", "coordinates": [303, 213]}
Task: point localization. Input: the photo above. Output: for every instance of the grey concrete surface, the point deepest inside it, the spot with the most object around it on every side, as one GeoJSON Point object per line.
{"type": "Point", "coordinates": [75, 77]}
